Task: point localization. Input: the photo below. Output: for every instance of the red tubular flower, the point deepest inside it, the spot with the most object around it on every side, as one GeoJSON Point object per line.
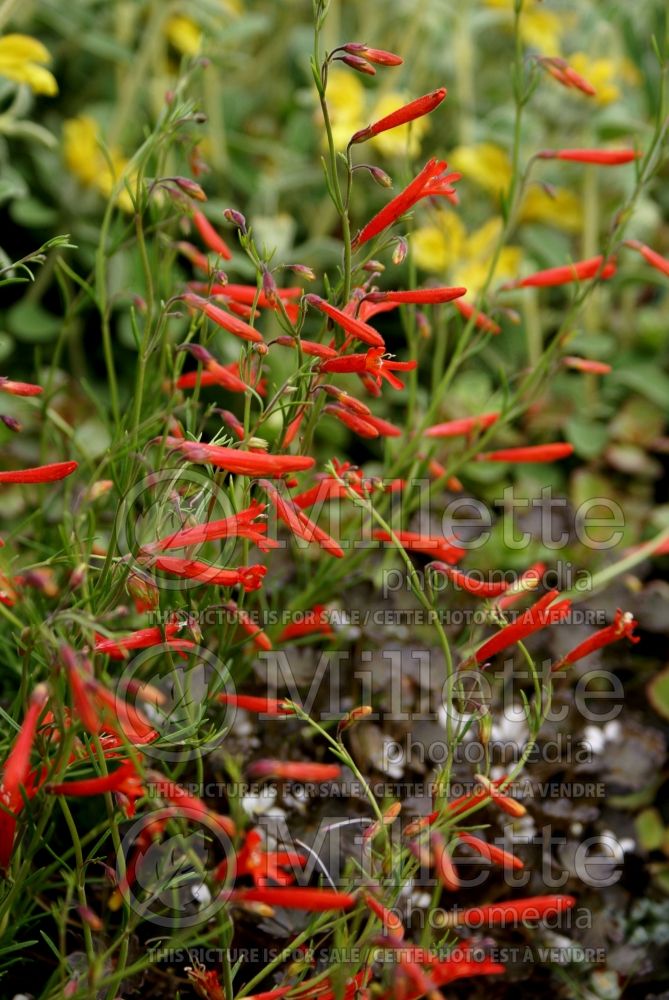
{"type": "Point", "coordinates": [391, 922]}
{"type": "Point", "coordinates": [358, 63]}
{"type": "Point", "coordinates": [243, 463]}
{"type": "Point", "coordinates": [260, 639]}
{"type": "Point", "coordinates": [224, 319]}
{"type": "Point", "coordinates": [580, 270]}
{"type": "Point", "coordinates": [372, 363]}
{"type": "Point", "coordinates": [313, 900]}
{"type": "Point", "coordinates": [440, 548]}
{"type": "Point", "coordinates": [586, 365]}
{"type": "Point", "coordinates": [503, 914]}
{"type": "Point", "coordinates": [19, 388]}
{"type": "Point", "coordinates": [465, 425]}
{"type": "Point", "coordinates": [407, 113]}
{"type": "Point", "coordinates": [263, 867]}
{"type": "Point", "coordinates": [561, 71]}
{"type": "Point", "coordinates": [535, 618]}
{"type": "Point", "coordinates": [241, 525]}
{"type": "Point", "coordinates": [603, 157]}
{"type": "Point", "coordinates": [384, 427]}
{"type": "Point", "coordinates": [209, 235]}
{"type": "Point", "coordinates": [481, 321]}
{"type": "Point", "coordinates": [254, 703]}
{"type": "Point", "coordinates": [248, 577]}
{"type": "Point", "coordinates": [41, 474]}
{"type": "Point", "coordinates": [121, 717]}
{"type": "Point", "coordinates": [528, 581]}
{"type": "Point", "coordinates": [143, 638]}
{"type": "Point", "coordinates": [299, 523]}
{"type": "Point", "coordinates": [430, 182]}
{"type": "Point", "coordinates": [214, 373]}
{"type": "Point", "coordinates": [443, 865]}
{"type": "Point", "coordinates": [354, 327]}
{"type": "Point", "coordinates": [289, 770]}
{"type": "Point", "coordinates": [309, 347]}
{"type": "Point", "coordinates": [359, 425]}
{"type": "Point", "coordinates": [246, 294]}
{"type": "Point", "coordinates": [379, 56]}
{"type": "Point", "coordinates": [623, 627]}
{"type": "Point", "coordinates": [491, 852]}
{"type": "Point", "coordinates": [77, 670]}
{"type": "Point", "coordinates": [533, 453]}
{"type": "Point", "coordinates": [478, 588]}
{"type": "Point", "coordinates": [190, 806]}
{"type": "Point", "coordinates": [314, 622]}
{"type": "Point", "coordinates": [124, 781]}
{"type": "Point", "coordinates": [420, 296]}
{"type": "Point", "coordinates": [655, 259]}
{"type": "Point", "coordinates": [16, 780]}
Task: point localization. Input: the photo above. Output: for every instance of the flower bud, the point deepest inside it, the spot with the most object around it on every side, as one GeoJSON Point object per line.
{"type": "Point", "coordinates": [401, 250]}
{"type": "Point", "coordinates": [235, 219]}
{"type": "Point", "coordinates": [359, 64]}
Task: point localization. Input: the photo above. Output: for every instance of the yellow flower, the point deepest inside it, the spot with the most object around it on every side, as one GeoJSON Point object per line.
{"type": "Point", "coordinates": [561, 208]}
{"type": "Point", "coordinates": [484, 164]}
{"type": "Point", "coordinates": [467, 259]}
{"type": "Point", "coordinates": [397, 141]}
{"type": "Point", "coordinates": [88, 163]}
{"type": "Point", "coordinates": [183, 34]}
{"type": "Point", "coordinates": [20, 59]}
{"type": "Point", "coordinates": [605, 75]}
{"type": "Point", "coordinates": [346, 105]}
{"type": "Point", "coordinates": [539, 28]}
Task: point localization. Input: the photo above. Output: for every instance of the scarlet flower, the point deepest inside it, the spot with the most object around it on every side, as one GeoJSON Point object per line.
{"type": "Point", "coordinates": [309, 347]}
{"type": "Point", "coordinates": [372, 363]}
{"type": "Point", "coordinates": [502, 914]}
{"type": "Point", "coordinates": [124, 781]}
{"type": "Point", "coordinates": [603, 157]}
{"type": "Point", "coordinates": [580, 270]}
{"type": "Point", "coordinates": [412, 983]}
{"type": "Point", "coordinates": [19, 388]}
{"type": "Point", "coordinates": [224, 319]}
{"type": "Point", "coordinates": [16, 776]}
{"type": "Point", "coordinates": [313, 900]}
{"type": "Point", "coordinates": [214, 373]}
{"type": "Point", "coordinates": [561, 71]}
{"type": "Point", "coordinates": [260, 639]}
{"type": "Point", "coordinates": [407, 113]}
{"type": "Point", "coordinates": [491, 852]}
{"type": "Point", "coordinates": [313, 622]}
{"type": "Point", "coordinates": [245, 524]}
{"type": "Point", "coordinates": [481, 321]}
{"type": "Point", "coordinates": [432, 181]}
{"type": "Point", "coordinates": [443, 865]}
{"type": "Point", "coordinates": [294, 770]}
{"type": "Point", "coordinates": [465, 425]}
{"type": "Point", "coordinates": [248, 295]}
{"type": "Point", "coordinates": [299, 523]}
{"type": "Point", "coordinates": [623, 627]}
{"type": "Point", "coordinates": [655, 259]}
{"type": "Point", "coordinates": [529, 580]}
{"type": "Point", "coordinates": [533, 453]}
{"type": "Point", "coordinates": [391, 922]}
{"type": "Point", "coordinates": [356, 423]}
{"type": "Point", "coordinates": [379, 56]}
{"type": "Point", "coordinates": [478, 588]}
{"type": "Point", "coordinates": [143, 638]}
{"type": "Point", "coordinates": [248, 577]}
{"type": "Point", "coordinates": [384, 427]}
{"type": "Point", "coordinates": [209, 235]}
{"type": "Point", "coordinates": [41, 474]}
{"type": "Point", "coordinates": [264, 867]}
{"type": "Point", "coordinates": [189, 806]}
{"type": "Point", "coordinates": [419, 296]}
{"type": "Point", "coordinates": [254, 703]}
{"type": "Point", "coordinates": [243, 463]}
{"type": "Point", "coordinates": [586, 365]}
{"type": "Point", "coordinates": [354, 327]}
{"type": "Point", "coordinates": [536, 617]}
{"type": "Point", "coordinates": [441, 548]}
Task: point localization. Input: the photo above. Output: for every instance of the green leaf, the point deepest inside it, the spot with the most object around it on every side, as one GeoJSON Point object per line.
{"type": "Point", "coordinates": [650, 829]}
{"type": "Point", "coordinates": [29, 322]}
{"type": "Point", "coordinates": [587, 436]}
{"type": "Point", "coordinates": [658, 693]}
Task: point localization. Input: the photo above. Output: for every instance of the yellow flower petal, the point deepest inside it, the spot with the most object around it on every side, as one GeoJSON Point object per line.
{"type": "Point", "coordinates": [485, 164]}
{"type": "Point", "coordinates": [561, 208]}
{"type": "Point", "coordinates": [20, 58]}
{"type": "Point", "coordinates": [184, 34]}
{"type": "Point", "coordinates": [601, 73]}
{"type": "Point", "coordinates": [23, 48]}
{"type": "Point", "coordinates": [87, 161]}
